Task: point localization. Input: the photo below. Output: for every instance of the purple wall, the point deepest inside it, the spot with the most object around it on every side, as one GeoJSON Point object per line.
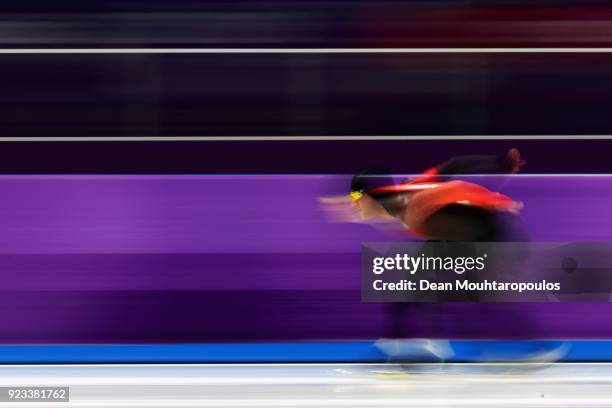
{"type": "Point", "coordinates": [88, 259]}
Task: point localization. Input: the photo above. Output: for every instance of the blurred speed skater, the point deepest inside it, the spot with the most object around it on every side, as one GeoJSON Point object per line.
{"type": "Point", "coordinates": [435, 206]}
{"type": "Point", "coordinates": [438, 205]}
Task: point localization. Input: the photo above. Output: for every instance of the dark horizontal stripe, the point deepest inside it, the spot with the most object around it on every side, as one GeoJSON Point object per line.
{"type": "Point", "coordinates": [82, 317]}
{"type": "Point", "coordinates": [289, 157]}
{"type": "Point", "coordinates": [304, 95]}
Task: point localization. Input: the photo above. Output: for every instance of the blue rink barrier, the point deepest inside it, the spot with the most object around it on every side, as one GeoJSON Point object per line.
{"type": "Point", "coordinates": [298, 352]}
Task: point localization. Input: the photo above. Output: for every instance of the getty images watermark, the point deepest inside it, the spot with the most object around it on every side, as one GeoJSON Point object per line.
{"type": "Point", "coordinates": [499, 272]}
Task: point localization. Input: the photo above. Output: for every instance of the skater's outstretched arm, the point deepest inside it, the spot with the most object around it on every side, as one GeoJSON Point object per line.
{"type": "Point", "coordinates": [509, 163]}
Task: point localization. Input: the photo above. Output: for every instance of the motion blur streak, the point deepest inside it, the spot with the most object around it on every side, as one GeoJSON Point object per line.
{"type": "Point", "coordinates": [64, 94]}
{"type": "Point", "coordinates": [243, 258]}
{"type": "Point", "coordinates": [332, 23]}
{"type": "Point", "coordinates": [346, 385]}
